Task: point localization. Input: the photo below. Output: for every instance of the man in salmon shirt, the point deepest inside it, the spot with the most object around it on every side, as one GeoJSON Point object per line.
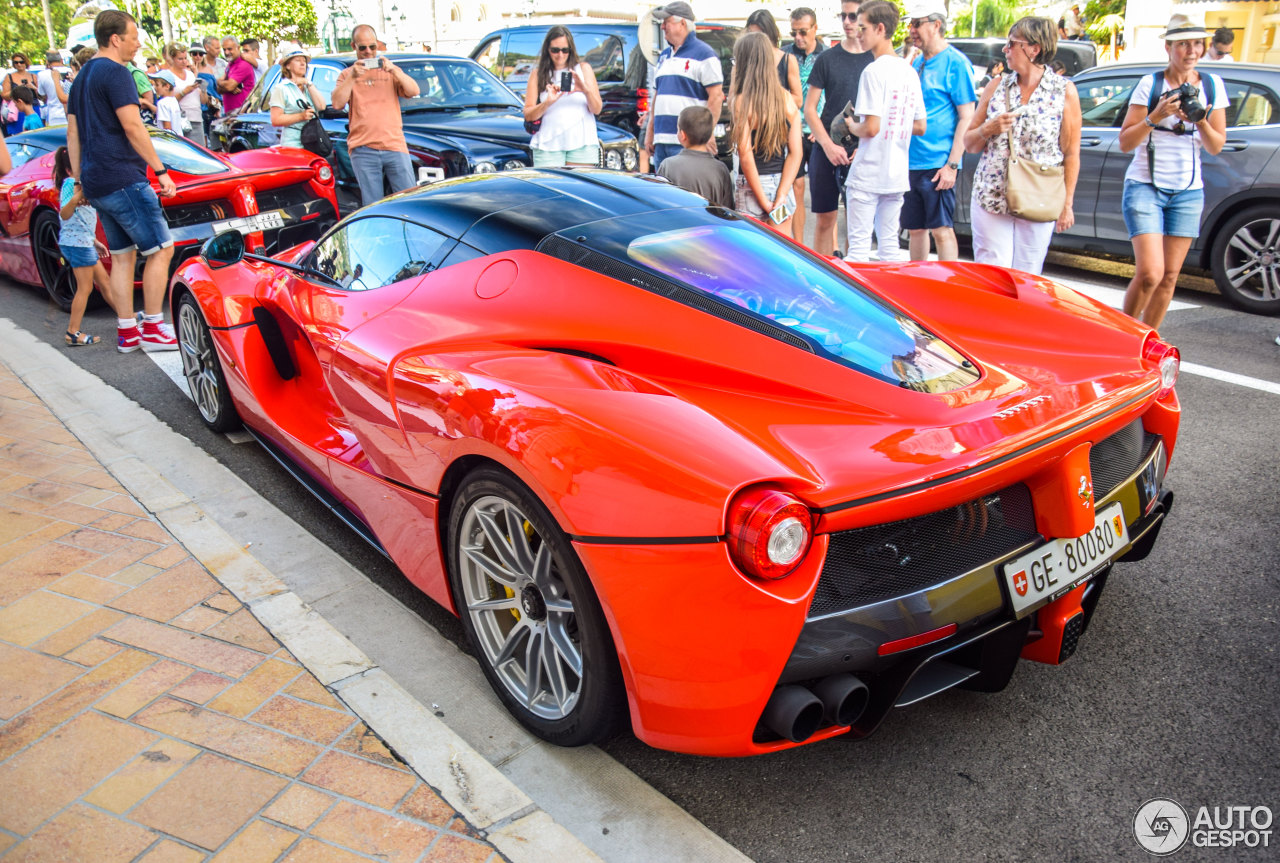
{"type": "Point", "coordinates": [375, 136]}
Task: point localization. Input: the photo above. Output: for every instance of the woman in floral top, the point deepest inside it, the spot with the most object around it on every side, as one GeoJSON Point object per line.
{"type": "Point", "coordinates": [1043, 109]}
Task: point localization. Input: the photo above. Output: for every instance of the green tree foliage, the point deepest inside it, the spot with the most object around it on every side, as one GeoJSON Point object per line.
{"type": "Point", "coordinates": [22, 27]}
{"type": "Point", "coordinates": [994, 18]}
{"type": "Point", "coordinates": [273, 20]}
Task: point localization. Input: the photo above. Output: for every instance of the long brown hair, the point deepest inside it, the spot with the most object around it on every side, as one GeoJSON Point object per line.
{"type": "Point", "coordinates": [545, 63]}
{"type": "Point", "coordinates": [759, 102]}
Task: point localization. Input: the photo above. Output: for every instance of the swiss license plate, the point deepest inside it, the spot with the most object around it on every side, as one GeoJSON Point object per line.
{"type": "Point", "coordinates": [248, 224]}
{"type": "Point", "coordinates": [1047, 572]}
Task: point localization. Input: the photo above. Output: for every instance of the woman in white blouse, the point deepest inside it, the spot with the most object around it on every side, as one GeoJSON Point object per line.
{"type": "Point", "coordinates": [562, 99]}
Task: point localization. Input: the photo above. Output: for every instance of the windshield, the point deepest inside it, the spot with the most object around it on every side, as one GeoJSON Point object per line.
{"type": "Point", "coordinates": [454, 83]}
{"type": "Point", "coordinates": [180, 155]}
{"type": "Point", "coordinates": [749, 267]}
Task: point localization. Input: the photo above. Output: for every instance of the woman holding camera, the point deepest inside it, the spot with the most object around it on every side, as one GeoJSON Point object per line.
{"type": "Point", "coordinates": [1163, 188]}
{"type": "Point", "coordinates": [561, 102]}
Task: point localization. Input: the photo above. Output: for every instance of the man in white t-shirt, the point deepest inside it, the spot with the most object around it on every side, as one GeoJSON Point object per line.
{"type": "Point", "coordinates": [890, 109]}
{"type": "Point", "coordinates": [52, 89]}
{"type": "Point", "coordinates": [1219, 49]}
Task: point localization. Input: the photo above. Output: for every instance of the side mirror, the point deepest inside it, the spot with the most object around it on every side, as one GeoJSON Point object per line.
{"type": "Point", "coordinates": [224, 249]}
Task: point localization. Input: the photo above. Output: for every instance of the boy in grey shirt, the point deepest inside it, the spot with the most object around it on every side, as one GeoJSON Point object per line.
{"type": "Point", "coordinates": [695, 168]}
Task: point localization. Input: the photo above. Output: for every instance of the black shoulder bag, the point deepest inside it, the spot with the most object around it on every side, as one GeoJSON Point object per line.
{"type": "Point", "coordinates": [314, 137]}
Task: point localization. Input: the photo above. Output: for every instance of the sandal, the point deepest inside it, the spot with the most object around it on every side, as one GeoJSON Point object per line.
{"type": "Point", "coordinates": [79, 339]}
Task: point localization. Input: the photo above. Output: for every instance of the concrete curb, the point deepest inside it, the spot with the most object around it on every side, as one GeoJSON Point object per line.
{"type": "Point", "coordinates": [551, 803]}
{"type": "Point", "coordinates": [465, 779]}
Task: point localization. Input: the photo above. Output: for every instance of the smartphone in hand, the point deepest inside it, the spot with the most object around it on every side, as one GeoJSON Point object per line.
{"type": "Point", "coordinates": [566, 81]}
{"type": "Point", "coordinates": [780, 213]}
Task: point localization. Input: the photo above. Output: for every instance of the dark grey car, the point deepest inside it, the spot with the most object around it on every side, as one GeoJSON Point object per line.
{"type": "Point", "coordinates": [1240, 229]}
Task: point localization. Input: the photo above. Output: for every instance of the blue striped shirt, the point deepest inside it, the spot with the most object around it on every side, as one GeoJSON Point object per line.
{"type": "Point", "coordinates": [682, 80]}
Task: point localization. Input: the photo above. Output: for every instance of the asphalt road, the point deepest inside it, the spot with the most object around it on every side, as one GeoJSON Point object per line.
{"type": "Point", "coordinates": [1172, 693]}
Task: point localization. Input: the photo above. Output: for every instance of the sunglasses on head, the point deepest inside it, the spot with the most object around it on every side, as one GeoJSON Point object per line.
{"type": "Point", "coordinates": [558, 50]}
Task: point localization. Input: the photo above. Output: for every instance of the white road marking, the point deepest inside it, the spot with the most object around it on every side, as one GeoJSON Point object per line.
{"type": "Point", "coordinates": [1231, 378]}
{"type": "Point", "coordinates": [170, 362]}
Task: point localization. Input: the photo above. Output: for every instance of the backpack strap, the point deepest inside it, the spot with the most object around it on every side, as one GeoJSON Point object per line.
{"type": "Point", "coordinates": [1157, 85]}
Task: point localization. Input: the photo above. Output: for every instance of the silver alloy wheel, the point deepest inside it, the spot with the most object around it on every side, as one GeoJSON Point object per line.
{"type": "Point", "coordinates": [199, 362]}
{"type": "Point", "coordinates": [1252, 262]}
{"type": "Point", "coordinates": [520, 607]}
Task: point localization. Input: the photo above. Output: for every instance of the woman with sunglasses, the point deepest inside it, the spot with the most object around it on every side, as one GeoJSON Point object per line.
{"type": "Point", "coordinates": [1042, 109]}
{"type": "Point", "coordinates": [19, 77]}
{"type": "Point", "coordinates": [561, 102]}
{"type": "Point", "coordinates": [1164, 186]}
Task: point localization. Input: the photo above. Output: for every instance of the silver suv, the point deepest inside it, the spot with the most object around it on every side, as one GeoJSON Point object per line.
{"type": "Point", "coordinates": [1240, 230]}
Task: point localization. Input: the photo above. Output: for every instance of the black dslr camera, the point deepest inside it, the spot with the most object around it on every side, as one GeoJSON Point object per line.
{"type": "Point", "coordinates": [1188, 99]}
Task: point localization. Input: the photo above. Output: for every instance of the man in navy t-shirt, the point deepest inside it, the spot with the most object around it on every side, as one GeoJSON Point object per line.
{"type": "Point", "coordinates": [110, 152]}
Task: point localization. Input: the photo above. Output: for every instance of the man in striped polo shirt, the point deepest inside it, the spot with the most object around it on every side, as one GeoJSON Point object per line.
{"type": "Point", "coordinates": [689, 73]}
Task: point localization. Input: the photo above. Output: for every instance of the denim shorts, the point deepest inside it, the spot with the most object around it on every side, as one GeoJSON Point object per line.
{"type": "Point", "coordinates": [589, 155]}
{"type": "Point", "coordinates": [79, 256]}
{"type": "Point", "coordinates": [131, 217]}
{"type": "Point", "coordinates": [925, 205]}
{"type": "Point", "coordinates": [1148, 210]}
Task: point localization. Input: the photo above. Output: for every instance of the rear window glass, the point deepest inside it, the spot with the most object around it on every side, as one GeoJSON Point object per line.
{"type": "Point", "coordinates": [748, 268]}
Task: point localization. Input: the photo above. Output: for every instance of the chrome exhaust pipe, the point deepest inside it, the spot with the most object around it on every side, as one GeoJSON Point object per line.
{"type": "Point", "coordinates": [793, 712]}
{"type": "Point", "coordinates": [843, 698]}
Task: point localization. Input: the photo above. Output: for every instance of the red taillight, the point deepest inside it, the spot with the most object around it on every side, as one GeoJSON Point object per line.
{"type": "Point", "coordinates": [769, 532]}
{"type": "Point", "coordinates": [642, 100]}
{"type": "Point", "coordinates": [1166, 358]}
{"type": "Point", "coordinates": [891, 647]}
{"type": "Point", "coordinates": [323, 172]}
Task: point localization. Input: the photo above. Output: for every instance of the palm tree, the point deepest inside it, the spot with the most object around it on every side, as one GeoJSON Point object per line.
{"type": "Point", "coordinates": [1105, 29]}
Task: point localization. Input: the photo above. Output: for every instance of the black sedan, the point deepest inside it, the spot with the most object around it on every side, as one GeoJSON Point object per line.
{"type": "Point", "coordinates": [1239, 238]}
{"type": "Point", "coordinates": [463, 121]}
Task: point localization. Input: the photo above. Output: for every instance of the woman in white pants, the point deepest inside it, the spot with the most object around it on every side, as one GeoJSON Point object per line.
{"type": "Point", "coordinates": [1043, 109]}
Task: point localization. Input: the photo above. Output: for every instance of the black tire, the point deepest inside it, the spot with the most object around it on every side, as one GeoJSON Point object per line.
{"type": "Point", "coordinates": [1246, 260]}
{"type": "Point", "coordinates": [56, 274]}
{"type": "Point", "coordinates": [202, 368]}
{"type": "Point", "coordinates": [544, 599]}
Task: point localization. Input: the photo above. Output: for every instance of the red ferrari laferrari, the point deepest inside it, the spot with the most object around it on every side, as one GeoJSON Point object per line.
{"type": "Point", "coordinates": [668, 466]}
{"type": "Point", "coordinates": [278, 197]}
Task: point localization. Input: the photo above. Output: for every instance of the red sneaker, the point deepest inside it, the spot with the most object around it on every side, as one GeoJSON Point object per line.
{"type": "Point", "coordinates": [158, 336]}
{"type": "Point", "coordinates": [127, 340]}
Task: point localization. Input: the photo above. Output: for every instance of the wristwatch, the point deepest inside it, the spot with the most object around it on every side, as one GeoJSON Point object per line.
{"type": "Point", "coordinates": [955, 166]}
{"type": "Point", "coordinates": [161, 172]}
{"type": "Point", "coordinates": [1147, 120]}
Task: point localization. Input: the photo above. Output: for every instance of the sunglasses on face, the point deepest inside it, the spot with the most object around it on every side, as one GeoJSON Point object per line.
{"type": "Point", "coordinates": [848, 16]}
{"type": "Point", "coordinates": [1009, 44]}
{"type": "Point", "coordinates": [917, 23]}
{"type": "Point", "coordinates": [801, 32]}
{"type": "Point", "coordinates": [367, 47]}
{"type": "Point", "coordinates": [558, 50]}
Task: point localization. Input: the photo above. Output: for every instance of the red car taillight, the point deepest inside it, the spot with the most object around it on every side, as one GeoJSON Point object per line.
{"type": "Point", "coordinates": [769, 532]}
{"type": "Point", "coordinates": [642, 100]}
{"type": "Point", "coordinates": [1165, 357]}
{"type": "Point", "coordinates": [323, 171]}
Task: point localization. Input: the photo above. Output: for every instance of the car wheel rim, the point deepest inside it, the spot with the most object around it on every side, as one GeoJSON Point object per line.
{"type": "Point", "coordinates": [520, 607]}
{"type": "Point", "coordinates": [199, 362]}
{"type": "Point", "coordinates": [58, 278]}
{"type": "Point", "coordinates": [1252, 262]}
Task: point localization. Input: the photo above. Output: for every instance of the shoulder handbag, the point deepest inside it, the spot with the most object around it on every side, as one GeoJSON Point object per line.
{"type": "Point", "coordinates": [1034, 192]}
{"type": "Point", "coordinates": [313, 135]}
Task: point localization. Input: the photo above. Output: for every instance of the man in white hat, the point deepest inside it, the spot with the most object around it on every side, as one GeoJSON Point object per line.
{"type": "Point", "coordinates": [688, 73]}
{"type": "Point", "coordinates": [947, 82]}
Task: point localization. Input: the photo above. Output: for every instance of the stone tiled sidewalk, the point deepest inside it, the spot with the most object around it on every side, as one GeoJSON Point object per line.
{"type": "Point", "coordinates": [146, 715]}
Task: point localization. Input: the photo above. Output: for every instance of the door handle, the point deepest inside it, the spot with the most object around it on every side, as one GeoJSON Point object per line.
{"type": "Point", "coordinates": [1090, 142]}
{"type": "Point", "coordinates": [1235, 146]}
